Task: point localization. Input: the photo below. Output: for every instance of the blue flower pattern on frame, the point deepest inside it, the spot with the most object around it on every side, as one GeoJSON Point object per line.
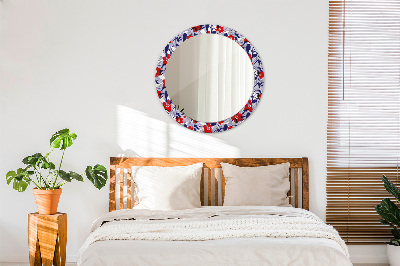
{"type": "Point", "coordinates": [230, 122]}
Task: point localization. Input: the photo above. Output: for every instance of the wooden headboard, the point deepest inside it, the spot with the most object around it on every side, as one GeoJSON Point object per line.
{"type": "Point", "coordinates": [212, 188]}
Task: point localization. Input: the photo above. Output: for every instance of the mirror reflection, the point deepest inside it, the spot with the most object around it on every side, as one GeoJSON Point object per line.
{"type": "Point", "coordinates": [209, 77]}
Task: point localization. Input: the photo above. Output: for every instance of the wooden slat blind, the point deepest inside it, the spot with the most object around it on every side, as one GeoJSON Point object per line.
{"type": "Point", "coordinates": [363, 114]}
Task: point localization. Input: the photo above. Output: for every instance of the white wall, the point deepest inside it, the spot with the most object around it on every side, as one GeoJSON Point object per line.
{"type": "Point", "coordinates": [89, 65]}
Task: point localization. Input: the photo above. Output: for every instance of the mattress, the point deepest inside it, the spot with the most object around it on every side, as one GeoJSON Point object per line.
{"type": "Point", "coordinates": [213, 236]}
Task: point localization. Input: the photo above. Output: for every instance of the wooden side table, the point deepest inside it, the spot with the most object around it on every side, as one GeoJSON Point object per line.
{"type": "Point", "coordinates": [47, 238]}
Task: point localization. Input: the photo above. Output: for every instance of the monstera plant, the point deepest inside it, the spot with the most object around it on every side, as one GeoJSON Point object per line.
{"type": "Point", "coordinates": [390, 214]}
{"type": "Point", "coordinates": [389, 211]}
{"type": "Point", "coordinates": [47, 178]}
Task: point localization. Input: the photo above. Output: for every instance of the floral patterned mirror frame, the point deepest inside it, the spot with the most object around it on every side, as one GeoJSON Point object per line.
{"type": "Point", "coordinates": [223, 125]}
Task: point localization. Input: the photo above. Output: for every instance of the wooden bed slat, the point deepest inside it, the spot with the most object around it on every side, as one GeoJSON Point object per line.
{"type": "Point", "coordinates": [296, 186]}
{"type": "Point", "coordinates": [111, 201]}
{"type": "Point", "coordinates": [128, 188]}
{"type": "Point", "coordinates": [121, 188]}
{"type": "Point", "coordinates": [216, 180]}
{"type": "Point", "coordinates": [300, 186]}
{"type": "Point", "coordinates": [202, 190]}
{"type": "Point", "coordinates": [212, 186]}
{"type": "Point", "coordinates": [205, 195]}
{"type": "Point", "coordinates": [304, 184]}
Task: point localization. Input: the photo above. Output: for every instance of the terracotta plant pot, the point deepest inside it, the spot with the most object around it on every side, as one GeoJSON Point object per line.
{"type": "Point", "coordinates": [47, 200]}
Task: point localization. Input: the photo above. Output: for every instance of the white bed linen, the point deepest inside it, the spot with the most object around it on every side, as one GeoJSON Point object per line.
{"type": "Point", "coordinates": [226, 251]}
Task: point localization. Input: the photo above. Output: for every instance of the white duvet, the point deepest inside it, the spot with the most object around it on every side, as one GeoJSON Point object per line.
{"type": "Point", "coordinates": [213, 236]}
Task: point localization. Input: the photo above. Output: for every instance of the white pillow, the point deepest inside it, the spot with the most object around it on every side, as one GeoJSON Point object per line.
{"type": "Point", "coordinates": [167, 188]}
{"type": "Point", "coordinates": [262, 185]}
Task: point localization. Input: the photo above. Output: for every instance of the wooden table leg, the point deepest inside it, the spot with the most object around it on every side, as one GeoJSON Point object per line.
{"type": "Point", "coordinates": [33, 241]}
{"type": "Point", "coordinates": [60, 250]}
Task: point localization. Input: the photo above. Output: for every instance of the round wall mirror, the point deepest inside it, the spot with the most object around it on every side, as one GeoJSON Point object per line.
{"type": "Point", "coordinates": [209, 78]}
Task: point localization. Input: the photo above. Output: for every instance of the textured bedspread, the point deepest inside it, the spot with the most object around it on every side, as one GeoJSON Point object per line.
{"type": "Point", "coordinates": [257, 233]}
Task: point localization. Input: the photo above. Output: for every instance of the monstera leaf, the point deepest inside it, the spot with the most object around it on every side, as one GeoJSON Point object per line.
{"type": "Point", "coordinates": [20, 179]}
{"type": "Point", "coordinates": [69, 176]}
{"type": "Point", "coordinates": [38, 160]}
{"type": "Point", "coordinates": [33, 160]}
{"type": "Point", "coordinates": [62, 139]}
{"type": "Point", "coordinates": [388, 211]}
{"type": "Point", "coordinates": [391, 188]}
{"type": "Point", "coordinates": [97, 175]}
{"type": "Point", "coordinates": [394, 242]}
{"type": "Point", "coordinates": [386, 222]}
{"type": "Point", "coordinates": [396, 233]}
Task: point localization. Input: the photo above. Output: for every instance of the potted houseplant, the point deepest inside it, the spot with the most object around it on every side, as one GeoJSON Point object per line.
{"type": "Point", "coordinates": [390, 214]}
{"type": "Point", "coordinates": [48, 178]}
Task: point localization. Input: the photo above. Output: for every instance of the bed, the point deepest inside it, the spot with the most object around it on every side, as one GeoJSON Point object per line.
{"type": "Point", "coordinates": [213, 234]}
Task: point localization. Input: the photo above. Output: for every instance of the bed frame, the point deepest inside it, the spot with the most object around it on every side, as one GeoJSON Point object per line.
{"type": "Point", "coordinates": [212, 188]}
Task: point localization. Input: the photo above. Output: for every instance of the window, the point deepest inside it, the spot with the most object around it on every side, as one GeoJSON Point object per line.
{"type": "Point", "coordinates": [363, 114]}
